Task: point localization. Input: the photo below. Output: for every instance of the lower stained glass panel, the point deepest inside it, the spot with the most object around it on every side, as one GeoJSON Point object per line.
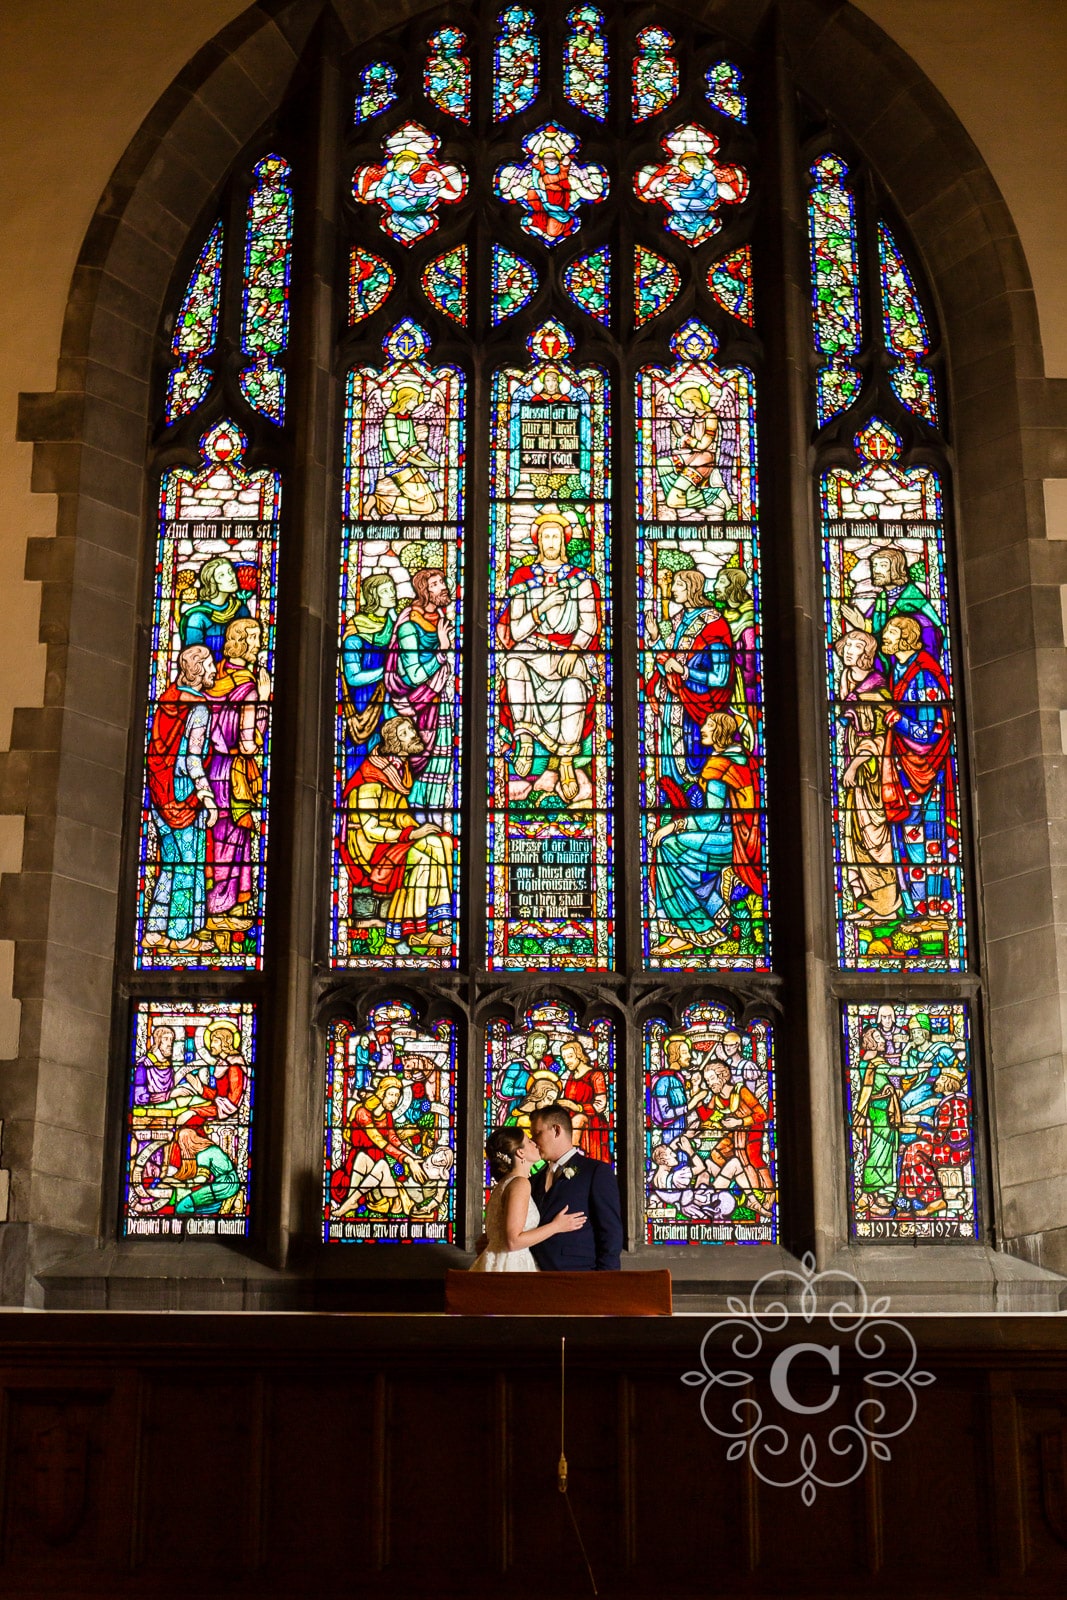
{"type": "Point", "coordinates": [390, 1167]}
{"type": "Point", "coordinates": [189, 1120]}
{"type": "Point", "coordinates": [549, 1060]}
{"type": "Point", "coordinates": [910, 1108]}
{"type": "Point", "coordinates": [709, 1130]}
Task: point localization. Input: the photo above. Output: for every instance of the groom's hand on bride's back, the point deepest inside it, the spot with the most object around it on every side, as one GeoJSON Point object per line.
{"type": "Point", "coordinates": [569, 1221]}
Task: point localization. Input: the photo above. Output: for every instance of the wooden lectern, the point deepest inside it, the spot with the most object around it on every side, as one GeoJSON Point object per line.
{"type": "Point", "coordinates": [558, 1294]}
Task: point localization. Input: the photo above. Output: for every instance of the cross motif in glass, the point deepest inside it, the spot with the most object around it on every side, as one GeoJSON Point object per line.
{"type": "Point", "coordinates": [691, 184]}
{"type": "Point", "coordinates": [549, 185]}
{"type": "Point", "coordinates": [410, 183]}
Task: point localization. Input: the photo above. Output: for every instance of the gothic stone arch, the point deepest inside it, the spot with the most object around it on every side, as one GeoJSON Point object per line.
{"type": "Point", "coordinates": [67, 768]}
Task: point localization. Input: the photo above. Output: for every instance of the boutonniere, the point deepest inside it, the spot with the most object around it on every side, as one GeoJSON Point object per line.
{"type": "Point", "coordinates": [567, 1171]}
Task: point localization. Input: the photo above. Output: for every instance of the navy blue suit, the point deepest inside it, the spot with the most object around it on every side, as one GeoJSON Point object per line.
{"type": "Point", "coordinates": [593, 1189]}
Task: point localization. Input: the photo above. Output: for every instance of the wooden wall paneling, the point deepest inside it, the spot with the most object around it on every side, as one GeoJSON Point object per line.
{"type": "Point", "coordinates": [938, 1515]}
{"type": "Point", "coordinates": [62, 1465]}
{"type": "Point", "coordinates": [1041, 1413]}
{"type": "Point", "coordinates": [676, 1459]}
{"type": "Point", "coordinates": [438, 1469]}
{"type": "Point", "coordinates": [198, 1484]}
{"type": "Point", "coordinates": [321, 1475]}
{"type": "Point", "coordinates": [1005, 1471]}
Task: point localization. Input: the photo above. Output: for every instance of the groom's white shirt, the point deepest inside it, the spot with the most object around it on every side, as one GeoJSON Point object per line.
{"type": "Point", "coordinates": [554, 1166]}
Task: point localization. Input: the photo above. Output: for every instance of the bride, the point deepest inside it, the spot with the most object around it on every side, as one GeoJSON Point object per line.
{"type": "Point", "coordinates": [511, 1218]}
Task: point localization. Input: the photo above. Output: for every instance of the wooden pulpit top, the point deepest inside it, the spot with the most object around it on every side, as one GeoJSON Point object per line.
{"type": "Point", "coordinates": [555, 1294]}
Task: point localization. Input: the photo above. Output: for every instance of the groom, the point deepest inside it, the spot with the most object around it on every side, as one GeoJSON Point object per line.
{"type": "Point", "coordinates": [570, 1178]}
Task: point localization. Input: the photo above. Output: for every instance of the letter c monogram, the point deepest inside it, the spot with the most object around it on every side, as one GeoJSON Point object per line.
{"type": "Point", "coordinates": [831, 1354]}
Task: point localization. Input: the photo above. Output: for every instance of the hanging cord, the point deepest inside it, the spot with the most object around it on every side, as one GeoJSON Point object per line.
{"type": "Point", "coordinates": [561, 1470]}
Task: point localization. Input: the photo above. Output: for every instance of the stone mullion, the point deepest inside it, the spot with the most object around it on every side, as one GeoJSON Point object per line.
{"type": "Point", "coordinates": [810, 1146]}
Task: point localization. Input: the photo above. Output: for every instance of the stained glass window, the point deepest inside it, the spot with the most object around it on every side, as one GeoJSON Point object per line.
{"type": "Point", "coordinates": [655, 73]}
{"type": "Point", "coordinates": [447, 78]}
{"type": "Point", "coordinates": [898, 874]}
{"type": "Point", "coordinates": [585, 62]}
{"type": "Point", "coordinates": [203, 844]}
{"type": "Point", "coordinates": [835, 285]}
{"type": "Point", "coordinates": [390, 1170]}
{"type": "Point", "coordinates": [517, 63]}
{"type": "Point", "coordinates": [551, 1060]}
{"type": "Point", "coordinates": [588, 282]}
{"type": "Point", "coordinates": [656, 283]}
{"type": "Point", "coordinates": [550, 786]}
{"type": "Point", "coordinates": [370, 283]}
{"type": "Point", "coordinates": [188, 1164]}
{"type": "Point", "coordinates": [703, 854]}
{"type": "Point", "coordinates": [550, 185]}
{"type": "Point", "coordinates": [444, 283]}
{"type": "Point", "coordinates": [397, 730]}
{"type": "Point", "coordinates": [910, 1110]}
{"type": "Point", "coordinates": [377, 90]}
{"type": "Point", "coordinates": [725, 91]}
{"type": "Point", "coordinates": [265, 317]}
{"type": "Point", "coordinates": [710, 1158]}
{"type": "Point", "coordinates": [906, 333]}
{"type": "Point", "coordinates": [514, 284]}
{"type": "Point", "coordinates": [691, 184]}
{"type": "Point", "coordinates": [196, 330]}
{"type": "Point", "coordinates": [409, 183]}
{"type": "Point", "coordinates": [730, 281]}
{"type": "Point", "coordinates": [440, 293]}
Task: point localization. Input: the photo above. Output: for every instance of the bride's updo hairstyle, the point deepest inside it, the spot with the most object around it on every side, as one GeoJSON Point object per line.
{"type": "Point", "coordinates": [500, 1147]}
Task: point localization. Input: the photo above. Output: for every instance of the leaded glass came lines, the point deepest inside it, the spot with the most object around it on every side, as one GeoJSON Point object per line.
{"type": "Point", "coordinates": [517, 63]}
{"type": "Point", "coordinates": [196, 330]}
{"type": "Point", "coordinates": [203, 835]}
{"type": "Point", "coordinates": [550, 1060]}
{"type": "Point", "coordinates": [656, 283]}
{"type": "Point", "coordinates": [409, 183]}
{"type": "Point", "coordinates": [725, 91]}
{"type": "Point", "coordinates": [896, 808]}
{"type": "Point", "coordinates": [514, 284]}
{"type": "Point", "coordinates": [910, 1122]}
{"type": "Point", "coordinates": [444, 283]}
{"type": "Point", "coordinates": [265, 315]}
{"type": "Point", "coordinates": [710, 1157]}
{"type": "Point", "coordinates": [691, 184]}
{"type": "Point", "coordinates": [551, 891]}
{"type": "Point", "coordinates": [447, 79]}
{"type": "Point", "coordinates": [550, 185]}
{"type": "Point", "coordinates": [730, 281]}
{"type": "Point", "coordinates": [188, 1166]}
{"type": "Point", "coordinates": [703, 854]}
{"type": "Point", "coordinates": [398, 731]}
{"type": "Point", "coordinates": [655, 73]}
{"type": "Point", "coordinates": [377, 91]}
{"type": "Point", "coordinates": [585, 62]}
{"type": "Point", "coordinates": [390, 1136]}
{"type": "Point", "coordinates": [906, 333]}
{"type": "Point", "coordinates": [835, 285]}
{"type": "Point", "coordinates": [588, 282]}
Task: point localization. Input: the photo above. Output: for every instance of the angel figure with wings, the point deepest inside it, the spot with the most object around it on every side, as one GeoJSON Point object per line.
{"type": "Point", "coordinates": [403, 439]}
{"type": "Point", "coordinates": [696, 445]}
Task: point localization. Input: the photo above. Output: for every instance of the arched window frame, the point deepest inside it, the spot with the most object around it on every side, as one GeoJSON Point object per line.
{"type": "Point", "coordinates": [811, 71]}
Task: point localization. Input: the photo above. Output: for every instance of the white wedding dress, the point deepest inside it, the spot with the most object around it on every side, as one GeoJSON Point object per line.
{"type": "Point", "coordinates": [496, 1257]}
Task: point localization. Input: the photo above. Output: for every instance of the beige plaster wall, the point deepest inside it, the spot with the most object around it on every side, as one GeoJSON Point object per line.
{"type": "Point", "coordinates": [1001, 65]}
{"type": "Point", "coordinates": [63, 127]}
